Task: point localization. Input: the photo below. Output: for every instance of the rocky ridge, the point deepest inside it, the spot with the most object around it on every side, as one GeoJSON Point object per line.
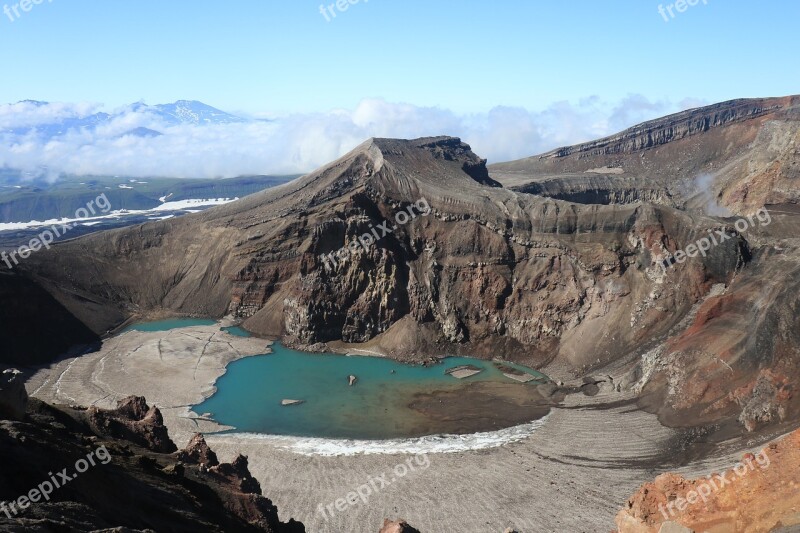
{"type": "Point", "coordinates": [731, 157]}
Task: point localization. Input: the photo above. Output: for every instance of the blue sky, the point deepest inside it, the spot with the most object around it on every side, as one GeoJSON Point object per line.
{"type": "Point", "coordinates": [273, 56]}
{"type": "Point", "coordinates": [511, 78]}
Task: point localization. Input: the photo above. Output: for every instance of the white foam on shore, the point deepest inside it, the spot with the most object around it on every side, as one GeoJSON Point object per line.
{"type": "Point", "coordinates": [429, 444]}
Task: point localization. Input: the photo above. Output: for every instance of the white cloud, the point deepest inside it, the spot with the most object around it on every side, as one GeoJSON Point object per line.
{"type": "Point", "coordinates": [297, 143]}
{"type": "Point", "coordinates": [31, 113]}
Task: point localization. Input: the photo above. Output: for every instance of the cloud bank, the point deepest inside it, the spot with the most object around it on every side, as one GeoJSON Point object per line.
{"type": "Point", "coordinates": [290, 144]}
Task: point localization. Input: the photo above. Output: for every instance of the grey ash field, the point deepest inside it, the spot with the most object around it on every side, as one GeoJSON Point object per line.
{"type": "Point", "coordinates": [550, 261]}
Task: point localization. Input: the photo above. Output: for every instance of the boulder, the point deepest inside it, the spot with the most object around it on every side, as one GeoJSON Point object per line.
{"type": "Point", "coordinates": [400, 526]}
{"type": "Point", "coordinates": [13, 396]}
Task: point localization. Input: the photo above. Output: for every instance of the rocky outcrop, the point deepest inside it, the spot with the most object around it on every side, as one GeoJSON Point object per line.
{"type": "Point", "coordinates": [592, 189]}
{"type": "Point", "coordinates": [135, 421]}
{"type": "Point", "coordinates": [13, 396]}
{"type": "Point", "coordinates": [765, 401]}
{"type": "Point", "coordinates": [242, 490]}
{"type": "Point", "coordinates": [238, 474]}
{"type": "Point", "coordinates": [197, 452]}
{"type": "Point", "coordinates": [757, 494]}
{"type": "Point", "coordinates": [128, 487]}
{"type": "Point", "coordinates": [399, 526]}
{"type": "Point", "coordinates": [669, 129]}
{"type": "Point", "coordinates": [731, 157]}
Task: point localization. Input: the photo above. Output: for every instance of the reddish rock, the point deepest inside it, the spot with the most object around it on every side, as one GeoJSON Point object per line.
{"type": "Point", "coordinates": [197, 452]}
{"type": "Point", "coordinates": [400, 526]}
{"type": "Point", "coordinates": [758, 494]}
{"type": "Point", "coordinates": [135, 421]}
{"type": "Point", "coordinates": [238, 474]}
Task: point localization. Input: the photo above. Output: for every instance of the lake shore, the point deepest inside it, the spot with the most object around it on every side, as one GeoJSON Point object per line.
{"type": "Point", "coordinates": [174, 370]}
{"type": "Point", "coordinates": [571, 472]}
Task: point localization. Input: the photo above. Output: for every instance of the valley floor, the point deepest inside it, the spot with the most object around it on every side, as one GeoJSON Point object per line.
{"type": "Point", "coordinates": [571, 474]}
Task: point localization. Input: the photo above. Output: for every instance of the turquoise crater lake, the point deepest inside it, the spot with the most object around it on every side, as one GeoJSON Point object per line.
{"type": "Point", "coordinates": [389, 399]}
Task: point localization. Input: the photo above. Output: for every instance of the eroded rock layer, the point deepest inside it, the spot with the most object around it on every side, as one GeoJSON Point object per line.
{"type": "Point", "coordinates": [729, 157]}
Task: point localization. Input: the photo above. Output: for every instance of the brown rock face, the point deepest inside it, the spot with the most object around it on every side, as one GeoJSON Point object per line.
{"type": "Point", "coordinates": [235, 477]}
{"type": "Point", "coordinates": [400, 526]}
{"type": "Point", "coordinates": [238, 474]}
{"type": "Point", "coordinates": [485, 272]}
{"type": "Point", "coordinates": [133, 420]}
{"type": "Point", "coordinates": [758, 494]}
{"type": "Point", "coordinates": [197, 452]}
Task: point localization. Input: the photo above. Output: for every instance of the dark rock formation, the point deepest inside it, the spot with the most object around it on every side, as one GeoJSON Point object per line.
{"type": "Point", "coordinates": [36, 327]}
{"type": "Point", "coordinates": [197, 452]}
{"type": "Point", "coordinates": [130, 489]}
{"type": "Point", "coordinates": [133, 420]}
{"type": "Point", "coordinates": [673, 127]}
{"type": "Point", "coordinates": [13, 396]}
{"type": "Point", "coordinates": [598, 189]}
{"type": "Point", "coordinates": [237, 473]}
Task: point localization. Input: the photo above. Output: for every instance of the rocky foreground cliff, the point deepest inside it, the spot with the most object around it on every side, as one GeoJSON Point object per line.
{"type": "Point", "coordinates": [72, 469]}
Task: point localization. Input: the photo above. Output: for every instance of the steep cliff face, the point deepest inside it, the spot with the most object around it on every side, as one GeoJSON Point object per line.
{"type": "Point", "coordinates": [475, 269]}
{"type": "Point", "coordinates": [734, 156]}
{"type": "Point", "coordinates": [597, 189]}
{"type": "Point", "coordinates": [672, 128]}
{"type": "Point", "coordinates": [36, 327]}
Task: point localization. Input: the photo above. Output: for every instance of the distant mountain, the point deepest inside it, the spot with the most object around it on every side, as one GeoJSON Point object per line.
{"type": "Point", "coordinates": [142, 132]}
{"type": "Point", "coordinates": [182, 112]}
{"type": "Point", "coordinates": [193, 112]}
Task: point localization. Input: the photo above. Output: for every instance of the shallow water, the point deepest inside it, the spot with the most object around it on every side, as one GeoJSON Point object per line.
{"type": "Point", "coordinates": [249, 395]}
{"type": "Point", "coordinates": [174, 323]}
{"type": "Point", "coordinates": [236, 331]}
